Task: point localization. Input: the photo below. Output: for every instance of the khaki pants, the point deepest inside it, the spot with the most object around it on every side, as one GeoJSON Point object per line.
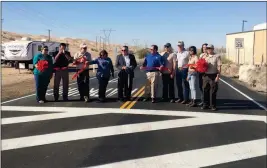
{"type": "Point", "coordinates": [151, 84]}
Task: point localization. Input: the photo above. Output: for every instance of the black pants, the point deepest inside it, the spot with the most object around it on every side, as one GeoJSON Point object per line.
{"type": "Point", "coordinates": [200, 84]}
{"type": "Point", "coordinates": [168, 86]}
{"type": "Point", "coordinates": [125, 85]}
{"type": "Point", "coordinates": [210, 88]}
{"type": "Point", "coordinates": [83, 84]}
{"type": "Point", "coordinates": [102, 83]}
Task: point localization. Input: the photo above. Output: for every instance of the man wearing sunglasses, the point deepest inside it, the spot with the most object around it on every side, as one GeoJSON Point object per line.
{"type": "Point", "coordinates": [153, 63]}
{"type": "Point", "coordinates": [83, 78]}
{"type": "Point", "coordinates": [126, 63]}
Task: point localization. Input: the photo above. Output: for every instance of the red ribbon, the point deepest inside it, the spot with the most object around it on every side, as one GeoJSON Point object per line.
{"type": "Point", "coordinates": [201, 65]}
{"type": "Point", "coordinates": [80, 60]}
{"type": "Point", "coordinates": [63, 68]}
{"type": "Point", "coordinates": [42, 65]}
{"type": "Point", "coordinates": [158, 68]}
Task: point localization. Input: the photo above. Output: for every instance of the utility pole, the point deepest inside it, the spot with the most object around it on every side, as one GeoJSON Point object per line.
{"type": "Point", "coordinates": [49, 34]}
{"type": "Point", "coordinates": [107, 35]}
{"type": "Point", "coordinates": [135, 43]}
{"type": "Point", "coordinates": [96, 43]}
{"type": "Point", "coordinates": [243, 22]}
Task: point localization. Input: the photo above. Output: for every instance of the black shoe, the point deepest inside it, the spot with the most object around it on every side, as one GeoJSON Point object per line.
{"type": "Point", "coordinates": [153, 100]}
{"type": "Point", "coordinates": [200, 104]}
{"type": "Point", "coordinates": [172, 101]}
{"type": "Point", "coordinates": [121, 99]}
{"type": "Point", "coordinates": [163, 99]}
{"type": "Point", "coordinates": [185, 102]}
{"type": "Point", "coordinates": [213, 108]}
{"type": "Point", "coordinates": [65, 99]}
{"type": "Point", "coordinates": [56, 99]}
{"type": "Point", "coordinates": [193, 104]}
{"type": "Point", "coordinates": [145, 99]}
{"type": "Point", "coordinates": [204, 107]}
{"type": "Point", "coordinates": [178, 101]}
{"type": "Point", "coordinates": [189, 104]}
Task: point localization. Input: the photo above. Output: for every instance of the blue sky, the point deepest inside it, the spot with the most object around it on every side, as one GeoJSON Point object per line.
{"type": "Point", "coordinates": [151, 22]}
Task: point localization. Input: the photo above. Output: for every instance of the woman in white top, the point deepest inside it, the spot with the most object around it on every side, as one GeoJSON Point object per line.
{"type": "Point", "coordinates": [192, 75]}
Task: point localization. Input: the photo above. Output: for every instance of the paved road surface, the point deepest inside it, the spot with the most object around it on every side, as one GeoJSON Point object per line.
{"type": "Point", "coordinates": [135, 134]}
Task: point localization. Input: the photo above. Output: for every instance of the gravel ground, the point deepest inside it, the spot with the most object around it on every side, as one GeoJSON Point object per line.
{"type": "Point", "coordinates": [15, 84]}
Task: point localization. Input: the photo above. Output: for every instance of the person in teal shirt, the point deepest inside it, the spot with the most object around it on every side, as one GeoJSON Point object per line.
{"type": "Point", "coordinates": [42, 79]}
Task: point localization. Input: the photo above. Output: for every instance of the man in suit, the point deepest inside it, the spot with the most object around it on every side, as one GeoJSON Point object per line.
{"type": "Point", "coordinates": [126, 63]}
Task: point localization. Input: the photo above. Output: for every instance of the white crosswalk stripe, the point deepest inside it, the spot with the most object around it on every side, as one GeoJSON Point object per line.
{"type": "Point", "coordinates": [199, 157]}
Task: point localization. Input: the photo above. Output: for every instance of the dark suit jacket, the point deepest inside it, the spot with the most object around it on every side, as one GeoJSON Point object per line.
{"type": "Point", "coordinates": [120, 62]}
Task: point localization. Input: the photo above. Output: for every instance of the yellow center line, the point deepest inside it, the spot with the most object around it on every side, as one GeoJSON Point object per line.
{"type": "Point", "coordinates": [133, 102]}
{"type": "Point", "coordinates": [135, 95]}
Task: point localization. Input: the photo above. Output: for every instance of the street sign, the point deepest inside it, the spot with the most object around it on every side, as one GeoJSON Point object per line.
{"type": "Point", "coordinates": [239, 42]}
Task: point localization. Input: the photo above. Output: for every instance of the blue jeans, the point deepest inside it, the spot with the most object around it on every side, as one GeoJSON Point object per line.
{"type": "Point", "coordinates": [182, 84]}
{"type": "Point", "coordinates": [192, 84]}
{"type": "Point", "coordinates": [41, 84]}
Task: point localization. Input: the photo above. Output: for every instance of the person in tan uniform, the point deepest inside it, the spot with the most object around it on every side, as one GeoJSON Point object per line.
{"type": "Point", "coordinates": [168, 76]}
{"type": "Point", "coordinates": [192, 75]}
{"type": "Point", "coordinates": [211, 78]}
{"type": "Point", "coordinates": [200, 75]}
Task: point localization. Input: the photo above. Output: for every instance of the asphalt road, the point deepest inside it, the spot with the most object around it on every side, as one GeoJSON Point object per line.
{"type": "Point", "coordinates": [135, 134]}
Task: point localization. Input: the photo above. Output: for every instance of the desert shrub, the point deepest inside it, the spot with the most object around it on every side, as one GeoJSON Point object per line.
{"type": "Point", "coordinates": [142, 53]}
{"type": "Point", "coordinates": [225, 60]}
{"type": "Point", "coordinates": [93, 49]}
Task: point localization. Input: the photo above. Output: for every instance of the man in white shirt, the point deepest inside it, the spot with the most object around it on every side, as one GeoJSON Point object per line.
{"type": "Point", "coordinates": [181, 74]}
{"type": "Point", "coordinates": [126, 63]}
{"type": "Point", "coordinates": [83, 77]}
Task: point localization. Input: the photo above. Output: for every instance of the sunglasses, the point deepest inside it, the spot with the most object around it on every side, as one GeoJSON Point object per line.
{"type": "Point", "coordinates": [85, 48]}
{"type": "Point", "coordinates": [45, 49]}
{"type": "Point", "coordinates": [123, 50]}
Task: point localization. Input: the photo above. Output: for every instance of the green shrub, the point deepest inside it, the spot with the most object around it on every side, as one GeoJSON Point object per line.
{"type": "Point", "coordinates": [93, 49]}
{"type": "Point", "coordinates": [142, 53]}
{"type": "Point", "coordinates": [226, 61]}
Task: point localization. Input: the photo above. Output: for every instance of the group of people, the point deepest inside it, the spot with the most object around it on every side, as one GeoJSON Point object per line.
{"type": "Point", "coordinates": [172, 67]}
{"type": "Point", "coordinates": [58, 64]}
{"type": "Point", "coordinates": [181, 66]}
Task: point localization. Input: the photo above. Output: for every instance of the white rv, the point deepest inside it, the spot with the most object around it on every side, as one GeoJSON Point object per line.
{"type": "Point", "coordinates": [22, 51]}
{"type": "Point", "coordinates": [2, 52]}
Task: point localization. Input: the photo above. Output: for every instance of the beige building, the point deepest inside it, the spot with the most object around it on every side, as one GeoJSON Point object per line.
{"type": "Point", "coordinates": [247, 47]}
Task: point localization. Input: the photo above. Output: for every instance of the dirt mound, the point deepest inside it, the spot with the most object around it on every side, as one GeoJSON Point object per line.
{"type": "Point", "coordinates": [254, 76]}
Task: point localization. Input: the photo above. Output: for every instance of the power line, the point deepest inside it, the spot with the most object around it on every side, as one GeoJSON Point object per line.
{"type": "Point", "coordinates": [107, 36]}
{"type": "Point", "coordinates": [136, 43]}
{"type": "Point", "coordinates": [49, 35]}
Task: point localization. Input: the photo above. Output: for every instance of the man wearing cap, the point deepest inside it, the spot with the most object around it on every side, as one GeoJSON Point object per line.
{"type": "Point", "coordinates": [153, 63]}
{"type": "Point", "coordinates": [82, 59]}
{"type": "Point", "coordinates": [211, 78]}
{"type": "Point", "coordinates": [168, 76]}
{"type": "Point", "coordinates": [62, 59]}
{"type": "Point", "coordinates": [181, 74]}
{"type": "Point", "coordinates": [126, 63]}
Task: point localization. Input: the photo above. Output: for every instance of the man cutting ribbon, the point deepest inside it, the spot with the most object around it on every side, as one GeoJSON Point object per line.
{"type": "Point", "coordinates": [151, 61]}
{"type": "Point", "coordinates": [81, 60]}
